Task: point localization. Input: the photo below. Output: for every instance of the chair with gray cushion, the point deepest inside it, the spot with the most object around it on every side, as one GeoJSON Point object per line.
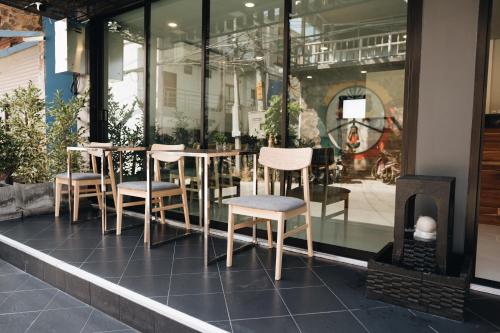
{"type": "Point", "coordinates": [159, 189]}
{"type": "Point", "coordinates": [265, 208]}
{"type": "Point", "coordinates": [86, 184]}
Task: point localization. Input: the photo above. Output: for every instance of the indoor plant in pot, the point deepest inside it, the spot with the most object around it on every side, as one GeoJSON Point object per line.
{"type": "Point", "coordinates": [25, 110]}
{"type": "Point", "coordinates": [220, 140]}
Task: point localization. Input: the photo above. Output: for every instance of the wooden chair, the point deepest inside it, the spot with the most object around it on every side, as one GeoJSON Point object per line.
{"type": "Point", "coordinates": [159, 189]}
{"type": "Point", "coordinates": [88, 180]}
{"type": "Point", "coordinates": [264, 208]}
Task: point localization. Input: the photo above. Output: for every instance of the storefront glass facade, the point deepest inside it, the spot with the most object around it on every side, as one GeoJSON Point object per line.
{"type": "Point", "coordinates": [216, 76]}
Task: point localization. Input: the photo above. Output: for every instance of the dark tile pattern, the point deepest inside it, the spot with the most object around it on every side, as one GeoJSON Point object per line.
{"type": "Point", "coordinates": [314, 295]}
{"type": "Point", "coordinates": [35, 306]}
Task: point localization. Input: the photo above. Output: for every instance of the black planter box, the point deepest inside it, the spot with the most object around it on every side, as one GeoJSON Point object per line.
{"type": "Point", "coordinates": [442, 295]}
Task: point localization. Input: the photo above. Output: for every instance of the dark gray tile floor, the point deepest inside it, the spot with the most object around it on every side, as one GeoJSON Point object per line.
{"type": "Point", "coordinates": [313, 296]}
{"type": "Point", "coordinates": [30, 305]}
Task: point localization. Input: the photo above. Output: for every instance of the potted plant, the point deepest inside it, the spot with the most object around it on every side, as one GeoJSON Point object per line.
{"type": "Point", "coordinates": [8, 163]}
{"type": "Point", "coordinates": [25, 110]}
{"type": "Point", "coordinates": [220, 140]}
{"type": "Point", "coordinates": [63, 131]}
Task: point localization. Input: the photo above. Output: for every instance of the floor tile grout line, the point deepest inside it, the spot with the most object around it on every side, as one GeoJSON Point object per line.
{"type": "Point", "coordinates": [340, 300]}
{"type": "Point", "coordinates": [171, 271]}
{"type": "Point", "coordinates": [279, 293]}
{"type": "Point", "coordinates": [87, 321]}
{"type": "Point", "coordinates": [433, 329]}
{"type": "Point", "coordinates": [70, 234]}
{"type": "Point", "coordinates": [258, 318]}
{"type": "Point", "coordinates": [222, 286]}
{"type": "Point", "coordinates": [131, 256]}
{"type": "Point", "coordinates": [39, 314]}
{"type": "Point", "coordinates": [46, 310]}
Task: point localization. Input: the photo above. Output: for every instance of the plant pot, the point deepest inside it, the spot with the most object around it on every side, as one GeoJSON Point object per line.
{"type": "Point", "coordinates": [8, 206]}
{"type": "Point", "coordinates": [35, 199]}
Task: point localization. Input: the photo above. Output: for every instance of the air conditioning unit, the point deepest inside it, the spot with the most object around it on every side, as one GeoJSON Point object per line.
{"type": "Point", "coordinates": [70, 51]}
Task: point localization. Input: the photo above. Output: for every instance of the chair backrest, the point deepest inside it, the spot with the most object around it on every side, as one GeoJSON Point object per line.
{"type": "Point", "coordinates": [287, 159]}
{"type": "Point", "coordinates": [165, 157]}
{"type": "Point", "coordinates": [158, 156]}
{"type": "Point", "coordinates": [95, 152]}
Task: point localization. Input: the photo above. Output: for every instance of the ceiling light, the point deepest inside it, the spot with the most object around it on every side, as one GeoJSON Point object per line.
{"type": "Point", "coordinates": [323, 48]}
{"type": "Point", "coordinates": [259, 58]}
{"type": "Point", "coordinates": [298, 2]}
{"type": "Point", "coordinates": [172, 24]}
{"type": "Point", "coordinates": [404, 36]}
{"type": "Point", "coordinates": [249, 4]}
{"type": "Point", "coordinates": [309, 77]}
{"type": "Point", "coordinates": [364, 72]}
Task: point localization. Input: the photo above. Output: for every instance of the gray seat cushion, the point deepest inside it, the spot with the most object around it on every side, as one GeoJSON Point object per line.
{"type": "Point", "coordinates": [141, 185]}
{"type": "Point", "coordinates": [80, 175]}
{"type": "Point", "coordinates": [267, 202]}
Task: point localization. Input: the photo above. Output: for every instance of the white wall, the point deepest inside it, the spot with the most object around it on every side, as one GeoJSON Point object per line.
{"type": "Point", "coordinates": [21, 67]}
{"type": "Point", "coordinates": [449, 31]}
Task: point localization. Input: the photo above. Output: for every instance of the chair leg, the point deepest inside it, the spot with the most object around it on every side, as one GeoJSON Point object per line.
{"type": "Point", "coordinates": [279, 249]}
{"type": "Point", "coordinates": [99, 195]}
{"type": "Point", "coordinates": [230, 237]}
{"type": "Point", "coordinates": [113, 190]}
{"type": "Point", "coordinates": [119, 215]}
{"type": "Point", "coordinates": [309, 234]}
{"type": "Point", "coordinates": [269, 234]}
{"type": "Point", "coordinates": [76, 201]}
{"type": "Point", "coordinates": [187, 222]}
{"type": "Point", "coordinates": [58, 198]}
{"type": "Point", "coordinates": [162, 212]}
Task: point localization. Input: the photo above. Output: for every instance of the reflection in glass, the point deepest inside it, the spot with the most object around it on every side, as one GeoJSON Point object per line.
{"type": "Point", "coordinates": [244, 82]}
{"type": "Point", "coordinates": [175, 99]}
{"type": "Point", "coordinates": [124, 84]}
{"type": "Point", "coordinates": [347, 77]}
{"type": "Point", "coordinates": [175, 84]}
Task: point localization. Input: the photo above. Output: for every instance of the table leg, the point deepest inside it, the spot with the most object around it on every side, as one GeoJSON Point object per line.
{"type": "Point", "coordinates": [69, 187]}
{"type": "Point", "coordinates": [206, 209]}
{"type": "Point", "coordinates": [255, 184]}
{"type": "Point", "coordinates": [147, 217]}
{"type": "Point", "coordinates": [104, 219]}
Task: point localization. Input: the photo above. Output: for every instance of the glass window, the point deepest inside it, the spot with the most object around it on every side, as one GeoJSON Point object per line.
{"type": "Point", "coordinates": [245, 50]}
{"type": "Point", "coordinates": [175, 81]}
{"type": "Point", "coordinates": [124, 84]}
{"type": "Point", "coordinates": [346, 101]}
{"type": "Point", "coordinates": [488, 228]}
{"type": "Point", "coordinates": [175, 84]}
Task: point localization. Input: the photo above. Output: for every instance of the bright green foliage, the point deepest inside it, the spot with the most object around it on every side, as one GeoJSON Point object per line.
{"type": "Point", "coordinates": [8, 153]}
{"type": "Point", "coordinates": [273, 119]}
{"type": "Point", "coordinates": [219, 138]}
{"type": "Point", "coordinates": [26, 122]}
{"type": "Point", "coordinates": [63, 132]}
{"type": "Point", "coordinates": [122, 133]}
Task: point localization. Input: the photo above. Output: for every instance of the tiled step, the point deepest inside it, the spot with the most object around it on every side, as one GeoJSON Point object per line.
{"type": "Point", "coordinates": [27, 304]}
{"type": "Point", "coordinates": [137, 311]}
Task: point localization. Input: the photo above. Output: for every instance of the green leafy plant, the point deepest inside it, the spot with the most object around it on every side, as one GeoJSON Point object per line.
{"type": "Point", "coordinates": [25, 110]}
{"type": "Point", "coordinates": [272, 122]}
{"type": "Point", "coordinates": [64, 132]}
{"type": "Point", "coordinates": [219, 138]}
{"type": "Point", "coordinates": [123, 132]}
{"type": "Point", "coordinates": [9, 158]}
